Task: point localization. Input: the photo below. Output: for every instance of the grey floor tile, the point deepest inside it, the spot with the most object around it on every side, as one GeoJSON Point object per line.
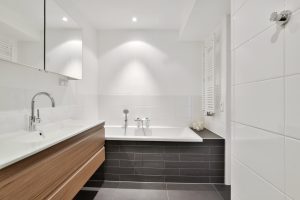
{"type": "Point", "coordinates": [193, 195]}
{"type": "Point", "coordinates": [224, 191]}
{"type": "Point", "coordinates": [191, 187]}
{"type": "Point", "coordinates": [105, 194]}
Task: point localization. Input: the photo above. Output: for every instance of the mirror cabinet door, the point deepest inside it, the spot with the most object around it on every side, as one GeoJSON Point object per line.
{"type": "Point", "coordinates": [22, 32]}
{"type": "Point", "coordinates": [63, 42]}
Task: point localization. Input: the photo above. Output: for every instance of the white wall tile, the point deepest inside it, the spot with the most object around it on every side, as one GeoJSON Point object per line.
{"type": "Point", "coordinates": [261, 151]}
{"type": "Point", "coordinates": [261, 104]}
{"type": "Point", "coordinates": [292, 150]}
{"type": "Point", "coordinates": [237, 4]}
{"type": "Point", "coordinates": [293, 106]}
{"type": "Point", "coordinates": [249, 186]}
{"type": "Point", "coordinates": [253, 18]}
{"type": "Point", "coordinates": [293, 5]}
{"type": "Point", "coordinates": [292, 45]}
{"type": "Point", "coordinates": [252, 63]}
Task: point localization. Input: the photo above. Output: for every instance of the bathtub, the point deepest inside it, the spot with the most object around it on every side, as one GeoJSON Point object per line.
{"type": "Point", "coordinates": [163, 134]}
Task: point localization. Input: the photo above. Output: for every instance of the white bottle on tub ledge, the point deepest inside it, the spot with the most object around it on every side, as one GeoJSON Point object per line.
{"type": "Point", "coordinates": [197, 125]}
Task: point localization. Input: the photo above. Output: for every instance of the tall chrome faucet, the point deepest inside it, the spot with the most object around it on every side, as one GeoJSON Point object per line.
{"type": "Point", "coordinates": [126, 111]}
{"type": "Point", "coordinates": [33, 120]}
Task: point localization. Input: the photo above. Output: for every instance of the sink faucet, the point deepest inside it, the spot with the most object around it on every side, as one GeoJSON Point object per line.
{"type": "Point", "coordinates": [33, 120]}
{"type": "Point", "coordinates": [126, 111]}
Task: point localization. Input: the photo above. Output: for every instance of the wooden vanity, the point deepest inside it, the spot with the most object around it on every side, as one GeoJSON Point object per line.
{"type": "Point", "coordinates": [58, 172]}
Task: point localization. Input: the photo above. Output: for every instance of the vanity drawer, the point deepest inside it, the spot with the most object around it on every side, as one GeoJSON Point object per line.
{"type": "Point", "coordinates": [45, 174]}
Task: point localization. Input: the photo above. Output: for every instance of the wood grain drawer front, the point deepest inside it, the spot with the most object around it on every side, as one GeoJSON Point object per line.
{"type": "Point", "coordinates": [70, 188]}
{"type": "Point", "coordinates": [38, 176]}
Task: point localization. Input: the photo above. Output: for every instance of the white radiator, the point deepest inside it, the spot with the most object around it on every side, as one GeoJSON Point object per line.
{"type": "Point", "coordinates": [209, 77]}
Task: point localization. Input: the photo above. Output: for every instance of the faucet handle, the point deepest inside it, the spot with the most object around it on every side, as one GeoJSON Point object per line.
{"type": "Point", "coordinates": [147, 121]}
{"type": "Point", "coordinates": [138, 121]}
{"type": "Point", "coordinates": [38, 119]}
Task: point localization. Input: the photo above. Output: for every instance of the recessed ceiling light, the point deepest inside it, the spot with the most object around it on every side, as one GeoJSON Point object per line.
{"type": "Point", "coordinates": [64, 19]}
{"type": "Point", "coordinates": [134, 19]}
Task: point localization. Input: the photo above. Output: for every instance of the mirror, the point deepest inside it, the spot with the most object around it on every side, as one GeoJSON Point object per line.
{"type": "Point", "coordinates": [63, 42]}
{"type": "Point", "coordinates": [22, 32]}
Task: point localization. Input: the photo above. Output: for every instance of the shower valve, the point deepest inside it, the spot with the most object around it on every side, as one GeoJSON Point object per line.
{"type": "Point", "coordinates": [281, 18]}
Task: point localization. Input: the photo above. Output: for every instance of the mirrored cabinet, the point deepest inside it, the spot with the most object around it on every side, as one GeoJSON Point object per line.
{"type": "Point", "coordinates": [63, 52]}
{"type": "Point", "coordinates": [22, 32]}
{"type": "Point", "coordinates": [42, 35]}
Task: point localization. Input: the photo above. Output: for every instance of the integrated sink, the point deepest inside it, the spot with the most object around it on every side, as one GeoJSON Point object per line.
{"type": "Point", "coordinates": [18, 145]}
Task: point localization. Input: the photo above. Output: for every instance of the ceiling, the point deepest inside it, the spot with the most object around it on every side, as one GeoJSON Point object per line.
{"type": "Point", "coordinates": [117, 14]}
{"type": "Point", "coordinates": [191, 18]}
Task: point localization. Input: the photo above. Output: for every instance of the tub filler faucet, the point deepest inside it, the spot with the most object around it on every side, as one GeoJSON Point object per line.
{"type": "Point", "coordinates": [126, 111]}
{"type": "Point", "coordinates": [144, 122]}
{"type": "Point", "coordinates": [33, 120]}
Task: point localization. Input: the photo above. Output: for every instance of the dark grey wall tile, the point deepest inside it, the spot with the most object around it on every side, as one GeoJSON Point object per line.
{"type": "Point", "coordinates": [217, 158]}
{"type": "Point", "coordinates": [194, 172]}
{"type": "Point", "coordinates": [216, 165]}
{"type": "Point", "coordinates": [155, 161]}
{"type": "Point", "coordinates": [194, 157]}
{"type": "Point", "coordinates": [187, 149]}
{"type": "Point", "coordinates": [156, 156]}
{"type": "Point", "coordinates": [111, 177]}
{"type": "Point", "coordinates": [142, 178]}
{"type": "Point", "coordinates": [120, 156]}
{"type": "Point", "coordinates": [118, 170]}
{"type": "Point", "coordinates": [200, 165]}
{"type": "Point", "coordinates": [216, 179]}
{"type": "Point", "coordinates": [148, 156]}
{"type": "Point", "coordinates": [218, 172]}
{"type": "Point", "coordinates": [213, 142]}
{"type": "Point", "coordinates": [112, 163]}
{"type": "Point", "coordinates": [217, 150]}
{"type": "Point", "coordinates": [187, 179]}
{"type": "Point", "coordinates": [112, 148]}
{"type": "Point", "coordinates": [142, 149]}
{"type": "Point", "coordinates": [142, 163]}
{"type": "Point", "coordinates": [155, 171]}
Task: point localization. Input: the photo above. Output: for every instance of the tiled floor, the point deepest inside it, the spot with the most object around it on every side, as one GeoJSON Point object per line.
{"type": "Point", "coordinates": [153, 191]}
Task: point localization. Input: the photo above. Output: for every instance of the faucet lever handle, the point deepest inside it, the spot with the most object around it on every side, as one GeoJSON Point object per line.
{"type": "Point", "coordinates": [38, 119]}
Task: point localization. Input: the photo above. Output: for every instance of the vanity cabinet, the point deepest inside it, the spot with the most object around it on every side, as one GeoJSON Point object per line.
{"type": "Point", "coordinates": [58, 172]}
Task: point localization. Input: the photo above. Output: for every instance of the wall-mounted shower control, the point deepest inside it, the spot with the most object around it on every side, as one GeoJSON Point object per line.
{"type": "Point", "coordinates": [281, 18]}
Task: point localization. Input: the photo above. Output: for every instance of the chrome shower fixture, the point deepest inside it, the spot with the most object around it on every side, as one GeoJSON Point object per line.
{"type": "Point", "coordinates": [281, 18]}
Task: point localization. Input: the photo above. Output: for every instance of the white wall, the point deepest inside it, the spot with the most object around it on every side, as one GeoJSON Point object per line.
{"type": "Point", "coordinates": [265, 102]}
{"type": "Point", "coordinates": [152, 74]}
{"type": "Point", "coordinates": [77, 100]}
{"type": "Point", "coordinates": [64, 51]}
{"type": "Point", "coordinates": [219, 123]}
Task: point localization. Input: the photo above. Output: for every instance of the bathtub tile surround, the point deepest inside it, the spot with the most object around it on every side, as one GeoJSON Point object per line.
{"type": "Point", "coordinates": [265, 123]}
{"type": "Point", "coordinates": [163, 162]}
{"type": "Point", "coordinates": [151, 73]}
{"type": "Point", "coordinates": [162, 110]}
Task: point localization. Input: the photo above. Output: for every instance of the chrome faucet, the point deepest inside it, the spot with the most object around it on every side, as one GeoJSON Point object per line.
{"type": "Point", "coordinates": [126, 111]}
{"type": "Point", "coordinates": [145, 122]}
{"type": "Point", "coordinates": [33, 120]}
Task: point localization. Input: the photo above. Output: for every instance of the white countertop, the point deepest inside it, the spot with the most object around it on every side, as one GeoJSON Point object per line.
{"type": "Point", "coordinates": [22, 144]}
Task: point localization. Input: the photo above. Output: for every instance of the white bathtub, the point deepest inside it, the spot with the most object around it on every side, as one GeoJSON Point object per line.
{"type": "Point", "coordinates": [166, 134]}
